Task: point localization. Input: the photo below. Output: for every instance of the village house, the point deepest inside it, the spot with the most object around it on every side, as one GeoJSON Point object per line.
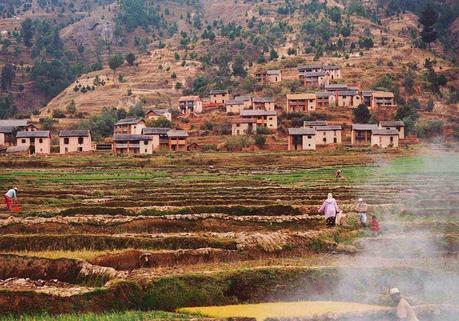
{"type": "Point", "coordinates": [384, 137]}
{"type": "Point", "coordinates": [234, 106]}
{"type": "Point", "coordinates": [158, 136]}
{"type": "Point", "coordinates": [265, 103]}
{"type": "Point", "coordinates": [361, 133]}
{"type": "Point", "coordinates": [243, 126]}
{"type": "Point", "coordinates": [328, 134]}
{"type": "Point", "coordinates": [325, 99]}
{"type": "Point", "coordinates": [38, 141]}
{"type": "Point", "coordinates": [301, 139]}
{"type": "Point", "coordinates": [383, 99]}
{"type": "Point", "coordinates": [315, 79]}
{"type": "Point", "coordinates": [8, 128]}
{"type": "Point", "coordinates": [177, 140]}
{"type": "Point", "coordinates": [367, 97]}
{"type": "Point", "coordinates": [314, 123]}
{"type": "Point", "coordinates": [265, 118]}
{"type": "Point", "coordinates": [71, 141]}
{"type": "Point", "coordinates": [394, 124]}
{"type": "Point", "coordinates": [333, 71]}
{"type": "Point", "coordinates": [154, 114]}
{"type": "Point", "coordinates": [269, 76]}
{"type": "Point", "coordinates": [219, 97]}
{"type": "Point", "coordinates": [246, 100]}
{"type": "Point", "coordinates": [309, 68]}
{"type": "Point", "coordinates": [335, 88]}
{"type": "Point", "coordinates": [190, 104]}
{"type": "Point", "coordinates": [132, 144]}
{"type": "Point", "coordinates": [348, 98]}
{"type": "Point", "coordinates": [131, 125]}
{"type": "Point", "coordinates": [7, 135]}
{"type": "Point", "coordinates": [306, 102]}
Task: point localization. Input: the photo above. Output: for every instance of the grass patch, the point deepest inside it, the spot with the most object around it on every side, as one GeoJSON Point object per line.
{"type": "Point", "coordinates": [109, 316]}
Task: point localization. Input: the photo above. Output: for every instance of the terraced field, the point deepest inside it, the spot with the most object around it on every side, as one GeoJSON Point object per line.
{"type": "Point", "coordinates": [99, 233]}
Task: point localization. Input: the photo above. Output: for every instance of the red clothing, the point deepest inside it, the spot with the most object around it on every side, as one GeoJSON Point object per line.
{"type": "Point", "coordinates": [8, 202]}
{"type": "Point", "coordinates": [374, 225]}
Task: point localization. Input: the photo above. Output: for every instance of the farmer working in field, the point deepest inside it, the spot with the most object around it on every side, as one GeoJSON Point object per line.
{"type": "Point", "coordinates": [362, 208]}
{"type": "Point", "coordinates": [329, 208]}
{"type": "Point", "coordinates": [11, 198]}
{"type": "Point", "coordinates": [404, 310]}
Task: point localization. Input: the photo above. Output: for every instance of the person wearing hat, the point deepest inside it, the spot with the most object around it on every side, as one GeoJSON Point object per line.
{"type": "Point", "coordinates": [362, 208]}
{"type": "Point", "coordinates": [404, 310]}
{"type": "Point", "coordinates": [10, 197]}
{"type": "Point", "coordinates": [329, 208]}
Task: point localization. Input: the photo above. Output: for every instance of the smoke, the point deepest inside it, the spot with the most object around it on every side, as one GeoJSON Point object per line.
{"type": "Point", "coordinates": [417, 252]}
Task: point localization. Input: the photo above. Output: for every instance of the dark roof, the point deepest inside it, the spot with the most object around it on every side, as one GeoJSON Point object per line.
{"type": "Point", "coordinates": [234, 102]}
{"type": "Point", "coordinates": [324, 94]}
{"type": "Point", "coordinates": [177, 133]}
{"type": "Point", "coordinates": [301, 131]}
{"type": "Point", "coordinates": [74, 133]}
{"type": "Point", "coordinates": [33, 134]}
{"type": "Point", "coordinates": [273, 72]}
{"type": "Point", "coordinates": [244, 120]}
{"type": "Point", "coordinates": [257, 112]}
{"type": "Point", "coordinates": [129, 121]}
{"type": "Point", "coordinates": [158, 111]}
{"type": "Point", "coordinates": [347, 93]}
{"type": "Point", "coordinates": [367, 92]}
{"type": "Point", "coordinates": [364, 126]}
{"type": "Point", "coordinates": [262, 99]}
{"type": "Point", "coordinates": [315, 123]}
{"type": "Point", "coordinates": [130, 137]}
{"type": "Point", "coordinates": [242, 98]}
{"type": "Point", "coordinates": [336, 86]}
{"type": "Point", "coordinates": [384, 131]}
{"type": "Point", "coordinates": [391, 123]}
{"type": "Point", "coordinates": [314, 73]}
{"type": "Point", "coordinates": [218, 91]}
{"type": "Point", "coordinates": [7, 129]}
{"type": "Point", "coordinates": [155, 131]}
{"type": "Point", "coordinates": [14, 122]}
{"type": "Point", "coordinates": [329, 127]}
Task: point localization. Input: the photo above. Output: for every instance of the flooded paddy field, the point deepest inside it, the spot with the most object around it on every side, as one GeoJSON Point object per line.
{"type": "Point", "coordinates": [108, 233]}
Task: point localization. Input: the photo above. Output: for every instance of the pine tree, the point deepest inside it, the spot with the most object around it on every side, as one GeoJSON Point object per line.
{"type": "Point", "coordinates": [427, 19]}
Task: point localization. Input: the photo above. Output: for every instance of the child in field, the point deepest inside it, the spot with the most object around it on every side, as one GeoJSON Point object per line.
{"type": "Point", "coordinates": [374, 226]}
{"type": "Point", "coordinates": [341, 218]}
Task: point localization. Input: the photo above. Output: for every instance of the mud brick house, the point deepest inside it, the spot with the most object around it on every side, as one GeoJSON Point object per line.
{"type": "Point", "coordinates": [265, 118]}
{"type": "Point", "coordinates": [132, 144]}
{"type": "Point", "coordinates": [309, 68]}
{"type": "Point", "coordinates": [367, 97]}
{"type": "Point", "coordinates": [301, 102]}
{"type": "Point", "coordinates": [325, 99]}
{"type": "Point", "coordinates": [234, 106]}
{"type": "Point", "coordinates": [243, 126]}
{"type": "Point", "coordinates": [246, 101]}
{"type": "Point", "coordinates": [265, 103]}
{"type": "Point", "coordinates": [314, 123]}
{"type": "Point", "coordinates": [384, 137]}
{"type": "Point", "coordinates": [219, 97]}
{"type": "Point", "coordinates": [154, 114]}
{"type": "Point", "coordinates": [158, 135]}
{"type": "Point", "coordinates": [301, 139]}
{"type": "Point", "coordinates": [333, 71]}
{"type": "Point", "coordinates": [9, 127]}
{"type": "Point", "coordinates": [131, 126]}
{"type": "Point", "coordinates": [348, 98]}
{"type": "Point", "coordinates": [269, 76]}
{"type": "Point", "coordinates": [328, 134]}
{"type": "Point", "coordinates": [361, 134]}
{"type": "Point", "coordinates": [394, 124]}
{"type": "Point", "coordinates": [190, 104]}
{"type": "Point", "coordinates": [315, 78]}
{"type": "Point", "coordinates": [38, 141]}
{"type": "Point", "coordinates": [177, 140]}
{"type": "Point", "coordinates": [72, 141]}
{"type": "Point", "coordinates": [383, 99]}
{"type": "Point", "coordinates": [335, 88]}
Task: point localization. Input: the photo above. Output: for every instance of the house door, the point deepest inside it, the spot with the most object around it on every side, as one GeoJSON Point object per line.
{"type": "Point", "coordinates": [32, 149]}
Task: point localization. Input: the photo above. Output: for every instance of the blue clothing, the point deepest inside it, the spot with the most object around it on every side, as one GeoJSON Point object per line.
{"type": "Point", "coordinates": [11, 193]}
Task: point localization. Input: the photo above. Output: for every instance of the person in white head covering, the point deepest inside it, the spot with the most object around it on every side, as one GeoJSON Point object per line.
{"type": "Point", "coordinates": [11, 197]}
{"type": "Point", "coordinates": [362, 208]}
{"type": "Point", "coordinates": [329, 208]}
{"type": "Point", "coordinates": [404, 310]}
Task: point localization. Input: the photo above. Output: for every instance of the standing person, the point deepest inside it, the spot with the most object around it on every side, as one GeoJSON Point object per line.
{"type": "Point", "coordinates": [329, 208]}
{"type": "Point", "coordinates": [10, 198]}
{"type": "Point", "coordinates": [341, 218]}
{"type": "Point", "coordinates": [338, 174]}
{"type": "Point", "coordinates": [404, 310]}
{"type": "Point", "coordinates": [362, 208]}
{"type": "Point", "coordinates": [374, 226]}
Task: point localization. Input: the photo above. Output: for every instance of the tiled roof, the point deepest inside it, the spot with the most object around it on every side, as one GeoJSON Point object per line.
{"type": "Point", "coordinates": [367, 92]}
{"type": "Point", "coordinates": [244, 120]}
{"type": "Point", "coordinates": [383, 94]}
{"type": "Point", "coordinates": [262, 99]}
{"type": "Point", "coordinates": [364, 126]}
{"type": "Point", "coordinates": [391, 123]}
{"type": "Point", "coordinates": [383, 131]}
{"type": "Point", "coordinates": [301, 96]}
{"type": "Point", "coordinates": [129, 121]}
{"type": "Point", "coordinates": [174, 133]}
{"type": "Point", "coordinates": [336, 86]}
{"type": "Point", "coordinates": [308, 123]}
{"type": "Point", "coordinates": [33, 134]}
{"type": "Point", "coordinates": [234, 102]}
{"type": "Point", "coordinates": [314, 73]}
{"type": "Point", "coordinates": [301, 131]}
{"type": "Point", "coordinates": [155, 131]}
{"type": "Point", "coordinates": [273, 72]}
{"type": "Point", "coordinates": [329, 127]}
{"type": "Point", "coordinates": [158, 111]}
{"type": "Point", "coordinates": [14, 122]}
{"type": "Point", "coordinates": [189, 98]}
{"type": "Point", "coordinates": [74, 133]}
{"type": "Point", "coordinates": [324, 94]}
{"type": "Point", "coordinates": [242, 98]}
{"type": "Point", "coordinates": [348, 93]}
{"type": "Point", "coordinates": [218, 92]}
{"type": "Point", "coordinates": [257, 112]}
{"type": "Point", "coordinates": [7, 129]}
{"type": "Point", "coordinates": [130, 137]}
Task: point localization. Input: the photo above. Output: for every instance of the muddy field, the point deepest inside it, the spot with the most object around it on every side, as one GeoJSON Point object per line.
{"type": "Point", "coordinates": [103, 233]}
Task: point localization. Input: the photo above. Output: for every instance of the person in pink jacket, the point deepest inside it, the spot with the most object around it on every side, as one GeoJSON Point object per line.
{"type": "Point", "coordinates": [329, 208]}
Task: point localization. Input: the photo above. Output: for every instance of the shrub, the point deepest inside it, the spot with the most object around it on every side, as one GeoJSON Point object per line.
{"type": "Point", "coordinates": [263, 131]}
{"type": "Point", "coordinates": [57, 113]}
{"type": "Point", "coordinates": [429, 128]}
{"type": "Point", "coordinates": [260, 141]}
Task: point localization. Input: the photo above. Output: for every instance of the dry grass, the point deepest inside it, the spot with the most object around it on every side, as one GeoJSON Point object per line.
{"type": "Point", "coordinates": [83, 254]}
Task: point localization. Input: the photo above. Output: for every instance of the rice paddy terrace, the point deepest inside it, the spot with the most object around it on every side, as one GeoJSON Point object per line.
{"type": "Point", "coordinates": [101, 233]}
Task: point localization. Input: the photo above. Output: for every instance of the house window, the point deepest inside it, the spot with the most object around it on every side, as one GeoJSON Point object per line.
{"type": "Point", "coordinates": [325, 133]}
{"type": "Point", "coordinates": [334, 132]}
{"type": "Point", "coordinates": [309, 137]}
{"type": "Point", "coordinates": [23, 141]}
{"type": "Point", "coordinates": [324, 139]}
{"type": "Point", "coordinates": [66, 141]}
{"type": "Point", "coordinates": [80, 140]}
{"type": "Point", "coordinates": [146, 142]}
{"type": "Point", "coordinates": [80, 149]}
{"type": "Point", "coordinates": [40, 140]}
{"type": "Point", "coordinates": [146, 151]}
{"type": "Point", "coordinates": [391, 139]}
{"type": "Point", "coordinates": [335, 140]}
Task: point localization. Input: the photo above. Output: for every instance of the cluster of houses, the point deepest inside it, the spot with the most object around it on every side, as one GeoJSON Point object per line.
{"type": "Point", "coordinates": [320, 133]}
